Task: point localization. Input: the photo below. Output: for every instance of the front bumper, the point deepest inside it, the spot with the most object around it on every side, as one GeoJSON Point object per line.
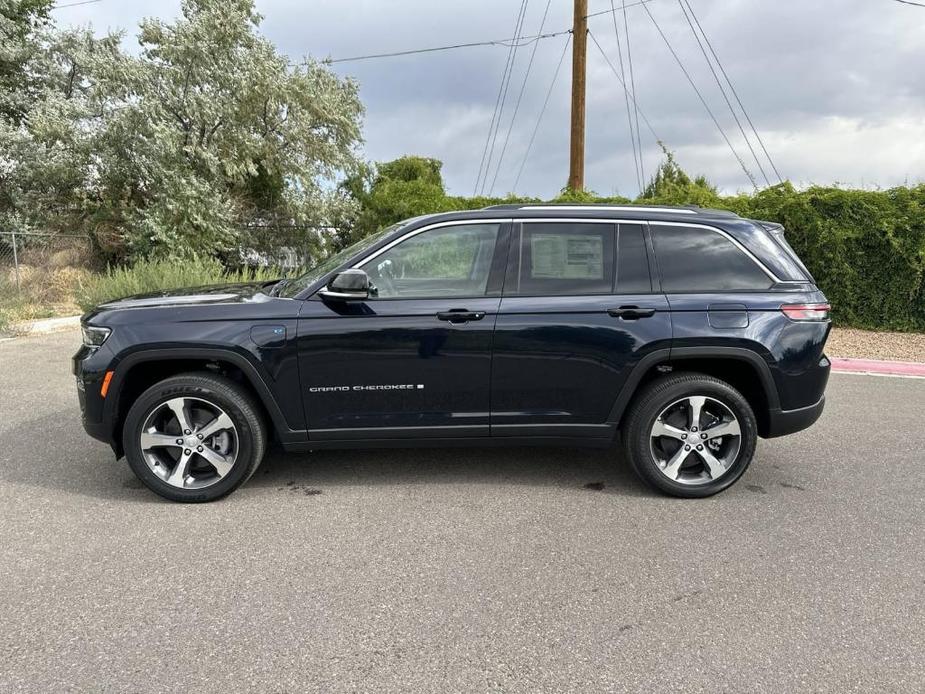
{"type": "Point", "coordinates": [783, 422]}
{"type": "Point", "coordinates": [99, 431]}
{"type": "Point", "coordinates": [89, 368]}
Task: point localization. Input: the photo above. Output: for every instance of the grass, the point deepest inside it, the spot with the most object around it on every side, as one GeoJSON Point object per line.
{"type": "Point", "coordinates": [40, 295]}
{"type": "Point", "coordinates": [158, 275]}
{"type": "Point", "coordinates": [15, 308]}
{"type": "Point", "coordinates": [45, 292]}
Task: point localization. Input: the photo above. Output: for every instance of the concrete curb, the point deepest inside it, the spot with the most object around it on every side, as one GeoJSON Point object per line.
{"type": "Point", "coordinates": [46, 325]}
{"type": "Point", "coordinates": [910, 369]}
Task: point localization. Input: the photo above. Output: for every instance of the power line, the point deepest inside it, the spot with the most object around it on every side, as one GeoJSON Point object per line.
{"type": "Point", "coordinates": [507, 84]}
{"type": "Point", "coordinates": [539, 119]}
{"type": "Point", "coordinates": [722, 90]}
{"type": "Point", "coordinates": [508, 43]}
{"type": "Point", "coordinates": [629, 58]}
{"type": "Point", "coordinates": [502, 94]}
{"type": "Point", "coordinates": [494, 113]}
{"type": "Point", "coordinates": [909, 2]}
{"type": "Point", "coordinates": [632, 4]}
{"type": "Point", "coordinates": [700, 96]}
{"type": "Point", "coordinates": [520, 96]}
{"type": "Point", "coordinates": [626, 99]}
{"type": "Point", "coordinates": [625, 88]}
{"type": "Point", "coordinates": [74, 4]}
{"type": "Point", "coordinates": [735, 94]}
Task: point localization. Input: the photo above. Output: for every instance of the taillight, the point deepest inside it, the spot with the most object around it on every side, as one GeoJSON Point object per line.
{"type": "Point", "coordinates": [806, 311]}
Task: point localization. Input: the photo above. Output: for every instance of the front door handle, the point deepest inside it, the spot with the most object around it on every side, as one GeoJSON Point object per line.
{"type": "Point", "coordinates": [460, 315]}
{"type": "Point", "coordinates": [631, 312]}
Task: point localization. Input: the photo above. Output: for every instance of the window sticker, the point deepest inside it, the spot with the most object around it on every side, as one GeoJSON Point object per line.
{"type": "Point", "coordinates": [573, 256]}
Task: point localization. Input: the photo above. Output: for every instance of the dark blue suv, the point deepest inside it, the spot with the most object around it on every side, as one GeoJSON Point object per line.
{"type": "Point", "coordinates": [688, 332]}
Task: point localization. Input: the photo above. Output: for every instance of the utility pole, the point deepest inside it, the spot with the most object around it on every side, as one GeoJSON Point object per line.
{"type": "Point", "coordinates": [576, 176]}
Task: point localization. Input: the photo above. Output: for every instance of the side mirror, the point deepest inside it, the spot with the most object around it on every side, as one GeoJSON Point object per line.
{"type": "Point", "coordinates": [349, 285]}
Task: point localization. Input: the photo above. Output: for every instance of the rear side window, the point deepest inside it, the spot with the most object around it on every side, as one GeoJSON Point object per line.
{"type": "Point", "coordinates": [562, 258]}
{"type": "Point", "coordinates": [691, 259]}
{"type": "Point", "coordinates": [632, 261]}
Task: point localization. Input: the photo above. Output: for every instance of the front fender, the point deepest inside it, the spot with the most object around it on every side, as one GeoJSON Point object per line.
{"type": "Point", "coordinates": [251, 372]}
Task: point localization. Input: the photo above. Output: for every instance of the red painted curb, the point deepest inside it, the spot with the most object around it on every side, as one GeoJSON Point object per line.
{"type": "Point", "coordinates": [874, 366]}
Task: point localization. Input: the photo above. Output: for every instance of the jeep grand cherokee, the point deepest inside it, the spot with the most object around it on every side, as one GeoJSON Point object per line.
{"type": "Point", "coordinates": [689, 332]}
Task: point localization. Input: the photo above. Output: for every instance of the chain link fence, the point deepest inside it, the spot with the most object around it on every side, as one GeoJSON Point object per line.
{"type": "Point", "coordinates": [52, 274]}
{"type": "Point", "coordinates": [41, 267]}
{"type": "Point", "coordinates": [23, 256]}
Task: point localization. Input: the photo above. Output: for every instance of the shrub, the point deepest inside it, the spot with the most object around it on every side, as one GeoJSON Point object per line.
{"type": "Point", "coordinates": [158, 275]}
{"type": "Point", "coordinates": [866, 249]}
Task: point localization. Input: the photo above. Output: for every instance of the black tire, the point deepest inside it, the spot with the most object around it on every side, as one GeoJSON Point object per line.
{"type": "Point", "coordinates": [213, 389]}
{"type": "Point", "coordinates": [661, 394]}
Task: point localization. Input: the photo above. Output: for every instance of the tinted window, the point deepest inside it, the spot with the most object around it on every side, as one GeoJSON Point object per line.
{"type": "Point", "coordinates": [561, 259]}
{"type": "Point", "coordinates": [443, 262]}
{"type": "Point", "coordinates": [700, 260]}
{"type": "Point", "coordinates": [632, 261]}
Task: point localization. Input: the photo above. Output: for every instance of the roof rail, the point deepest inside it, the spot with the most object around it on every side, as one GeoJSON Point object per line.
{"type": "Point", "coordinates": [668, 209]}
{"type": "Point", "coordinates": [592, 206]}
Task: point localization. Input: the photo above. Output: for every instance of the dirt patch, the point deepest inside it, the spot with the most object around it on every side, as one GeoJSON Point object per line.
{"type": "Point", "coordinates": [867, 344]}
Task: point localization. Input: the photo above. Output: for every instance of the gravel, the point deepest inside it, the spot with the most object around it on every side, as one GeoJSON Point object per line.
{"type": "Point", "coordinates": [867, 344]}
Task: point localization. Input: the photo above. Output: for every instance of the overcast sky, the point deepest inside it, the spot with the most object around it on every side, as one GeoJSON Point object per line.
{"type": "Point", "coordinates": [836, 89]}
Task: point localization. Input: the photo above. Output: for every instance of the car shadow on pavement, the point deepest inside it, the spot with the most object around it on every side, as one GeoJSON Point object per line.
{"type": "Point", "coordinates": [593, 470]}
{"type": "Point", "coordinates": [72, 463]}
{"type": "Point", "coordinates": [68, 462]}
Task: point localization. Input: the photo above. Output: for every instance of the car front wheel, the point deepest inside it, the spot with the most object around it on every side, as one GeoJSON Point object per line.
{"type": "Point", "coordinates": [690, 435]}
{"type": "Point", "coordinates": [194, 437]}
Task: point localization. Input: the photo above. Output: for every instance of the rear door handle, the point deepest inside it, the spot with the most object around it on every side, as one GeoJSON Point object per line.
{"type": "Point", "coordinates": [631, 312]}
{"type": "Point", "coordinates": [460, 315]}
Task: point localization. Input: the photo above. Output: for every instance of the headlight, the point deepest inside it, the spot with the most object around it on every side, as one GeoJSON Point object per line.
{"type": "Point", "coordinates": [94, 336]}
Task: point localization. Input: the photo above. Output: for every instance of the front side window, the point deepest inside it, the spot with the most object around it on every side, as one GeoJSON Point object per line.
{"type": "Point", "coordinates": [290, 288]}
{"type": "Point", "coordinates": [451, 261]}
{"type": "Point", "coordinates": [561, 258]}
{"type": "Point", "coordinates": [691, 259]}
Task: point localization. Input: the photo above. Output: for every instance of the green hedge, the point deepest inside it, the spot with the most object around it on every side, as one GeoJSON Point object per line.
{"type": "Point", "coordinates": [866, 249]}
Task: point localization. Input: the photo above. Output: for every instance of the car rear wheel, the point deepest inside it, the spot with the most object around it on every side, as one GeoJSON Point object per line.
{"type": "Point", "coordinates": [690, 435]}
{"type": "Point", "coordinates": [194, 437]}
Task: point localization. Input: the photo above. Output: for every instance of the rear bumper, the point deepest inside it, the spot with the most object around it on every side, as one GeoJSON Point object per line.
{"type": "Point", "coordinates": [783, 422]}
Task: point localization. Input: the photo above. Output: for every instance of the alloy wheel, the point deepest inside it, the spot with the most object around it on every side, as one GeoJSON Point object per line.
{"type": "Point", "coordinates": [695, 440]}
{"type": "Point", "coordinates": [189, 443]}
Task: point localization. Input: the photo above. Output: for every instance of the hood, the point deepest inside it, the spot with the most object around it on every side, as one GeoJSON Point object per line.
{"type": "Point", "coordinates": [212, 294]}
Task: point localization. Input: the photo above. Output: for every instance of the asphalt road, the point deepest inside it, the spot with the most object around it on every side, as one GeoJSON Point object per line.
{"type": "Point", "coordinates": [462, 570]}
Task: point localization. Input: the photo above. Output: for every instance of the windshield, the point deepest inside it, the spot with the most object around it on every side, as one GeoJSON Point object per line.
{"type": "Point", "coordinates": [292, 287]}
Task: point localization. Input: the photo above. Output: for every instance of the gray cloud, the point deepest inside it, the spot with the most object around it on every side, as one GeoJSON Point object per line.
{"type": "Point", "coordinates": [836, 89]}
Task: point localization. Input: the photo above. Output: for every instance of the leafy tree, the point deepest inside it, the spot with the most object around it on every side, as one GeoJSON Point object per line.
{"type": "Point", "coordinates": [21, 24]}
{"type": "Point", "coordinates": [392, 191]}
{"type": "Point", "coordinates": [389, 192]}
{"type": "Point", "coordinates": [206, 142]}
{"type": "Point", "coordinates": [213, 140]}
{"type": "Point", "coordinates": [672, 186]}
{"type": "Point", "coordinates": [47, 120]}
